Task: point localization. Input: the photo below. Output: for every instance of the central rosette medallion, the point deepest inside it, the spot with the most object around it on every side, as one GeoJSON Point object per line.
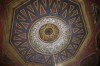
{"type": "Point", "coordinates": [49, 35]}
{"type": "Point", "coordinates": [49, 32]}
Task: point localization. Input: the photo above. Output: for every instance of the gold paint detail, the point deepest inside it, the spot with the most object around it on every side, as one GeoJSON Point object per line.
{"type": "Point", "coordinates": [42, 10]}
{"type": "Point", "coordinates": [36, 4]}
{"type": "Point", "coordinates": [59, 3]}
{"type": "Point", "coordinates": [44, 2]}
{"type": "Point", "coordinates": [71, 8]}
{"type": "Point", "coordinates": [54, 8]}
{"type": "Point", "coordinates": [49, 32]}
{"type": "Point", "coordinates": [64, 5]}
{"type": "Point", "coordinates": [23, 12]}
{"type": "Point", "coordinates": [75, 12]}
{"type": "Point", "coordinates": [50, 1]}
{"type": "Point", "coordinates": [30, 8]}
{"type": "Point", "coordinates": [64, 13]}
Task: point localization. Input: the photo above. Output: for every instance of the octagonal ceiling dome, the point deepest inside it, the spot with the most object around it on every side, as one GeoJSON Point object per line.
{"type": "Point", "coordinates": [48, 31]}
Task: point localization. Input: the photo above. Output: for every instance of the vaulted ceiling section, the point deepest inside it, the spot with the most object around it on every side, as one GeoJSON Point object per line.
{"type": "Point", "coordinates": [49, 33]}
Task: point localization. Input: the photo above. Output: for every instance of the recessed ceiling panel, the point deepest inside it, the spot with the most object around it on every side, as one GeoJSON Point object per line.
{"type": "Point", "coordinates": [48, 31]}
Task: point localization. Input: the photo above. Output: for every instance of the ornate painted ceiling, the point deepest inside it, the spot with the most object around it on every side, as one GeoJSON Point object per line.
{"type": "Point", "coordinates": [47, 32]}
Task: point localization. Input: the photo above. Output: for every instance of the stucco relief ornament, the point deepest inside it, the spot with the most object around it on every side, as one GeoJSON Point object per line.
{"type": "Point", "coordinates": [49, 35]}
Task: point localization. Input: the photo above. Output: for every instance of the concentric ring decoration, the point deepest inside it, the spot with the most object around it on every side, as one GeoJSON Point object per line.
{"type": "Point", "coordinates": [50, 43]}
{"type": "Point", "coordinates": [48, 31]}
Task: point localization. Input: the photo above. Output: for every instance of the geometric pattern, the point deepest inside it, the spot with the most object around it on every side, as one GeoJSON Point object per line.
{"type": "Point", "coordinates": [26, 14]}
{"type": "Point", "coordinates": [51, 36]}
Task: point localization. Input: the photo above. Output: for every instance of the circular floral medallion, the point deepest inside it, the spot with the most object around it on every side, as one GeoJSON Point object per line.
{"type": "Point", "coordinates": [49, 32]}
{"type": "Point", "coordinates": [51, 36]}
